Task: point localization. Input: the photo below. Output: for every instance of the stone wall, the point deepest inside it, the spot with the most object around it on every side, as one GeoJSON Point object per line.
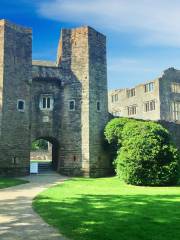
{"type": "Point", "coordinates": [41, 155]}
{"type": "Point", "coordinates": [120, 107]}
{"type": "Point", "coordinates": [79, 75]}
{"type": "Point", "coordinates": [82, 52]}
{"type": "Point", "coordinates": [174, 130]}
{"type": "Point", "coordinates": [15, 84]}
{"type": "Point", "coordinates": [99, 160]}
{"type": "Point", "coordinates": [2, 25]}
{"type": "Point", "coordinates": [72, 58]}
{"type": "Point", "coordinates": [163, 94]}
{"type": "Point", "coordinates": [167, 96]}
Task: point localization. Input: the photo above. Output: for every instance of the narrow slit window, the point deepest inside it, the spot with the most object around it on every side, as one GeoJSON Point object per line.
{"type": "Point", "coordinates": [98, 106]}
{"type": "Point", "coordinates": [14, 160]}
{"type": "Point", "coordinates": [44, 102]}
{"type": "Point", "coordinates": [71, 105]}
{"type": "Point", "coordinates": [48, 103]}
{"type": "Point", "coordinates": [21, 105]}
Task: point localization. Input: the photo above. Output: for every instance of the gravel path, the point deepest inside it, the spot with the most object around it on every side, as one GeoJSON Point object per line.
{"type": "Point", "coordinates": [18, 221]}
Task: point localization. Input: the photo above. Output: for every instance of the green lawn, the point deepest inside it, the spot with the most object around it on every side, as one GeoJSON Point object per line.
{"type": "Point", "coordinates": [10, 182]}
{"type": "Point", "coordinates": [107, 209]}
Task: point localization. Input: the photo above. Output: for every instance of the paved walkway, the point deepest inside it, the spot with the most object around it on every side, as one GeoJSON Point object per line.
{"type": "Point", "coordinates": [18, 221]}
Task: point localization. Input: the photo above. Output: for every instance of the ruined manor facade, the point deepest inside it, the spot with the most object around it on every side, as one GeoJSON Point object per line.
{"type": "Point", "coordinates": [64, 102]}
{"type": "Point", "coordinates": [156, 100]}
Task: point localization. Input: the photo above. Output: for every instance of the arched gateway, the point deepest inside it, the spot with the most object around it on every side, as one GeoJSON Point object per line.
{"type": "Point", "coordinates": [64, 102]}
{"type": "Point", "coordinates": [49, 155]}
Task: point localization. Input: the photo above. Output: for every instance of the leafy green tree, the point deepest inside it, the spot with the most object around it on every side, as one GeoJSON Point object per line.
{"type": "Point", "coordinates": [114, 128]}
{"type": "Point", "coordinates": [40, 144]}
{"type": "Point", "coordinates": [146, 155]}
{"type": "Point", "coordinates": [113, 132]}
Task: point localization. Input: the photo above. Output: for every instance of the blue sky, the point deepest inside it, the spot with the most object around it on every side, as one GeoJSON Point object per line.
{"type": "Point", "coordinates": [143, 36]}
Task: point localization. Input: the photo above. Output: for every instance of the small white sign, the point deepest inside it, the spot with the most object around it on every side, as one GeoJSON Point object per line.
{"type": "Point", "coordinates": [34, 168]}
{"type": "Point", "coordinates": [46, 119]}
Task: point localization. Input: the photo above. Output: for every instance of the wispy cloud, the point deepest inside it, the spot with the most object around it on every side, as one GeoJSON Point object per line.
{"type": "Point", "coordinates": [128, 72]}
{"type": "Point", "coordinates": [156, 22]}
{"type": "Point", "coordinates": [118, 65]}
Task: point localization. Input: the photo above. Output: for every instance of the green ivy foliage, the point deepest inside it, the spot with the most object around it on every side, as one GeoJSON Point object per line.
{"type": "Point", "coordinates": [40, 144]}
{"type": "Point", "coordinates": [145, 154]}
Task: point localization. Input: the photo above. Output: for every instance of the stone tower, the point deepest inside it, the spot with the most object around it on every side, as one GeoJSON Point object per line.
{"type": "Point", "coordinates": [82, 52]}
{"type": "Point", "coordinates": [15, 78]}
{"type": "Point", "coordinates": [63, 102]}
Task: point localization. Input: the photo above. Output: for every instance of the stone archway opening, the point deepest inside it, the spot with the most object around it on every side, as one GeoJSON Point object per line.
{"type": "Point", "coordinates": [45, 152]}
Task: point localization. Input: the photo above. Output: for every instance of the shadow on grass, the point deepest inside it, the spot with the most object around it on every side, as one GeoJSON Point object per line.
{"type": "Point", "coordinates": [11, 182]}
{"type": "Point", "coordinates": [114, 217]}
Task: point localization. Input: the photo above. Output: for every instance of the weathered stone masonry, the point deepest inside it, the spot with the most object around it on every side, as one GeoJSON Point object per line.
{"type": "Point", "coordinates": [15, 79]}
{"type": "Point", "coordinates": [156, 100]}
{"type": "Point", "coordinates": [64, 102]}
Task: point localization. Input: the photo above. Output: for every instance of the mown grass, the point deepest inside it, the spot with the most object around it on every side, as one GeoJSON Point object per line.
{"type": "Point", "coordinates": [107, 209]}
{"type": "Point", "coordinates": [10, 182]}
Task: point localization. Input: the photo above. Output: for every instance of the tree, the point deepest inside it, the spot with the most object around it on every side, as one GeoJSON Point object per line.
{"type": "Point", "coordinates": [40, 144]}
{"type": "Point", "coordinates": [146, 155]}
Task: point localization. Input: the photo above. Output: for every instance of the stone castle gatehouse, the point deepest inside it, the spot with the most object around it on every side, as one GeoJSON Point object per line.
{"type": "Point", "coordinates": [65, 102]}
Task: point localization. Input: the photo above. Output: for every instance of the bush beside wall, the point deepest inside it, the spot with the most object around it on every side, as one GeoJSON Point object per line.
{"type": "Point", "coordinates": [145, 153]}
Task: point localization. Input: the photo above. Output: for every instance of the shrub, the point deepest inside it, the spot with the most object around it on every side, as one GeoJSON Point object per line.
{"type": "Point", "coordinates": [147, 156]}
{"type": "Point", "coordinates": [113, 132]}
{"type": "Point", "coordinates": [114, 128]}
